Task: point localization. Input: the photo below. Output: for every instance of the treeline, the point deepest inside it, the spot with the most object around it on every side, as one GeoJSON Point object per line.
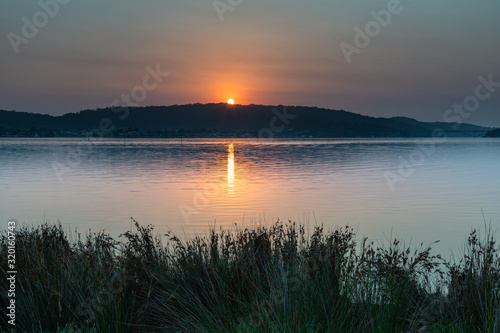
{"type": "Point", "coordinates": [225, 120]}
{"type": "Point", "coordinates": [493, 133]}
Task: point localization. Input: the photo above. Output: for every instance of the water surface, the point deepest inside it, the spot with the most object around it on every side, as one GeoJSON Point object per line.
{"type": "Point", "coordinates": [185, 187]}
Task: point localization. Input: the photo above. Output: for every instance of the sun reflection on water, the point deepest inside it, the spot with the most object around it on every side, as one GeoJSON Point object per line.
{"type": "Point", "coordinates": [230, 169]}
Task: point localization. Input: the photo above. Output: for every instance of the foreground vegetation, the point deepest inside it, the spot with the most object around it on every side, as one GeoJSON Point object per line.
{"type": "Point", "coordinates": [266, 279]}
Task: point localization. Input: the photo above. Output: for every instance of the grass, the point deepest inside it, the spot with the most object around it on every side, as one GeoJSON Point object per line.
{"type": "Point", "coordinates": [266, 279]}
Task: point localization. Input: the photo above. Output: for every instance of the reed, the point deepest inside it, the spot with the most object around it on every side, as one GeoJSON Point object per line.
{"type": "Point", "coordinates": [264, 279]}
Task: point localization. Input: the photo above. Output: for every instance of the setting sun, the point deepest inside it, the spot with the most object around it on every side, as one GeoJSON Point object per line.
{"type": "Point", "coordinates": [230, 101]}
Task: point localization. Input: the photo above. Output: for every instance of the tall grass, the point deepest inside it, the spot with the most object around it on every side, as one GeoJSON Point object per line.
{"type": "Point", "coordinates": [265, 279]}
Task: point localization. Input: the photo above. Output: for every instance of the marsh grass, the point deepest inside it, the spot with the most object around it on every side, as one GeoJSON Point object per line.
{"type": "Point", "coordinates": [265, 279]}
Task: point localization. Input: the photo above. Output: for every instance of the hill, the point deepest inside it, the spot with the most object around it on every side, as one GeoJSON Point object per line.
{"type": "Point", "coordinates": [493, 133]}
{"type": "Point", "coordinates": [223, 120]}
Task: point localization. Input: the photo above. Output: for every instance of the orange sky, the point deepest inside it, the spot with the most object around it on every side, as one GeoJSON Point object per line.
{"type": "Point", "coordinates": [283, 52]}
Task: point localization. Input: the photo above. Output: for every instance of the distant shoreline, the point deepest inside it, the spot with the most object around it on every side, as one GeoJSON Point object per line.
{"type": "Point", "coordinates": [225, 121]}
{"type": "Point", "coordinates": [239, 136]}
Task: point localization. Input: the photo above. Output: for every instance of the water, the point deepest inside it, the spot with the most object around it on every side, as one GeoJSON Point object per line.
{"type": "Point", "coordinates": [185, 187]}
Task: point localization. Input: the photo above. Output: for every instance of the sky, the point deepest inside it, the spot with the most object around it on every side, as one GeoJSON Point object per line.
{"type": "Point", "coordinates": [421, 59]}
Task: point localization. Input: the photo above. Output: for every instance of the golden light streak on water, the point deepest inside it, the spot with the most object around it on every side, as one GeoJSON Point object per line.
{"type": "Point", "coordinates": [230, 169]}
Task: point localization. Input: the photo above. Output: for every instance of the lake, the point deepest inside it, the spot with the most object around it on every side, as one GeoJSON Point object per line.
{"type": "Point", "coordinates": [415, 189]}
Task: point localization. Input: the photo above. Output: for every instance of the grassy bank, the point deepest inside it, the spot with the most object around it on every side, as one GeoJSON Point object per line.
{"type": "Point", "coordinates": [267, 279]}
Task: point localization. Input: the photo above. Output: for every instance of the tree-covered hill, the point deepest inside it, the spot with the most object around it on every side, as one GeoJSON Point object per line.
{"type": "Point", "coordinates": [223, 120]}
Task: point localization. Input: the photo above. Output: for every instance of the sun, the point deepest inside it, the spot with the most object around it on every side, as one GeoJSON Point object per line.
{"type": "Point", "coordinates": [230, 101]}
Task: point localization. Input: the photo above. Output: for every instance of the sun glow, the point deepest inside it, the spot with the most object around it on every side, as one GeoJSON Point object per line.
{"type": "Point", "coordinates": [230, 169]}
{"type": "Point", "coordinates": [230, 101]}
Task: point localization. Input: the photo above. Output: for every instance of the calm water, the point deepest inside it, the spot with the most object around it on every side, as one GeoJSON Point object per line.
{"type": "Point", "coordinates": [184, 187]}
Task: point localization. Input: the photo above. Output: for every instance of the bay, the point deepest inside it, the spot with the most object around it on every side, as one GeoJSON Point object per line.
{"type": "Point", "coordinates": [413, 189]}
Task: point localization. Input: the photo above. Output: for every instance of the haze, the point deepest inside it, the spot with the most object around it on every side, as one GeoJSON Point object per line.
{"type": "Point", "coordinates": [426, 59]}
